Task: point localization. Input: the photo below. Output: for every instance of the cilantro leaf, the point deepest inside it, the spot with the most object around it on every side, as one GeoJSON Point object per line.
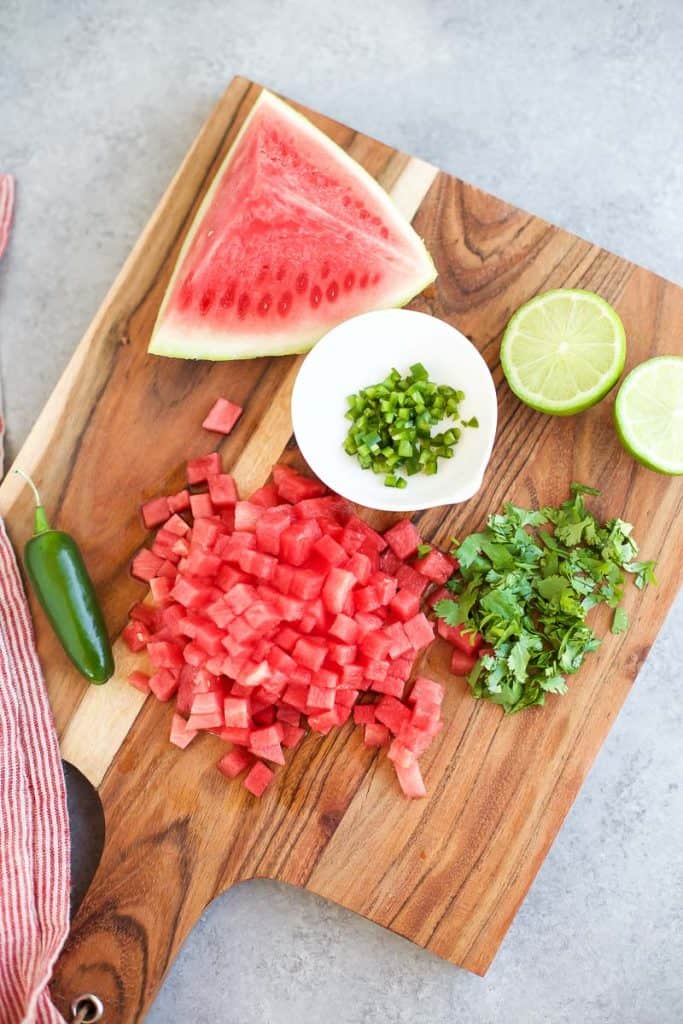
{"type": "Point", "coordinates": [449, 611]}
{"type": "Point", "coordinates": [644, 571]}
{"type": "Point", "coordinates": [423, 549]}
{"type": "Point", "coordinates": [527, 582]}
{"type": "Point", "coordinates": [620, 620]}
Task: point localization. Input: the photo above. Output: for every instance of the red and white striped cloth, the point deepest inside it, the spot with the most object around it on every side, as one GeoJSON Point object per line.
{"type": "Point", "coordinates": [34, 826]}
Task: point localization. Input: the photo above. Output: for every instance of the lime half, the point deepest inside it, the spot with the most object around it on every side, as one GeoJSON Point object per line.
{"type": "Point", "coordinates": [649, 414]}
{"type": "Point", "coordinates": [563, 350]}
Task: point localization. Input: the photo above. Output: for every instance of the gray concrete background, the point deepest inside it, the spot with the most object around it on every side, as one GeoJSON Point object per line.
{"type": "Point", "coordinates": [573, 111]}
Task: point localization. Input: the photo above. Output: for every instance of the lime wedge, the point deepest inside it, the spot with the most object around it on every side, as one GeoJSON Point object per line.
{"type": "Point", "coordinates": [563, 350]}
{"type": "Point", "coordinates": [649, 414]}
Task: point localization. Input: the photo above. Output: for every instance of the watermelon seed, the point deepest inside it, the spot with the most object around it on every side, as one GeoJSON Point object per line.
{"type": "Point", "coordinates": [316, 295]}
{"type": "Point", "coordinates": [332, 291]}
{"type": "Point", "coordinates": [363, 213]}
{"type": "Point", "coordinates": [346, 201]}
{"type": "Point", "coordinates": [284, 304]}
{"type": "Point", "coordinates": [384, 232]}
{"type": "Point", "coordinates": [376, 220]}
{"type": "Point", "coordinates": [263, 273]}
{"type": "Point", "coordinates": [325, 270]}
{"type": "Point", "coordinates": [228, 296]}
{"type": "Point", "coordinates": [375, 278]}
{"type": "Point", "coordinates": [363, 283]}
{"type": "Point", "coordinates": [206, 301]}
{"type": "Point", "coordinates": [243, 304]}
{"type": "Point", "coordinates": [280, 276]}
{"type": "Point", "coordinates": [302, 282]}
{"type": "Point", "coordinates": [349, 281]}
{"type": "Point", "coordinates": [264, 304]}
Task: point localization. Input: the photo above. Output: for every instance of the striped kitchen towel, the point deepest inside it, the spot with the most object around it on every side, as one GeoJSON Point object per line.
{"type": "Point", "coordinates": [34, 826]}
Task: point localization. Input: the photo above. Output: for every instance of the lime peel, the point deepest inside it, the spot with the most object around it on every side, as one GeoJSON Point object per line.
{"type": "Point", "coordinates": [648, 414]}
{"type": "Point", "coordinates": [563, 351]}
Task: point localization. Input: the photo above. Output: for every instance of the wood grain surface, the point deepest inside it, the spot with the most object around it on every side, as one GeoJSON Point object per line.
{"type": "Point", "coordinates": [450, 871]}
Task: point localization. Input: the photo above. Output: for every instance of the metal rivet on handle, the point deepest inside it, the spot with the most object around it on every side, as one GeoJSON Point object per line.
{"type": "Point", "coordinates": [86, 1009]}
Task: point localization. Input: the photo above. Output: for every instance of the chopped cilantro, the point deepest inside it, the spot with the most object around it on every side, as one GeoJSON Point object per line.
{"type": "Point", "coordinates": [527, 582]}
{"type": "Point", "coordinates": [423, 550]}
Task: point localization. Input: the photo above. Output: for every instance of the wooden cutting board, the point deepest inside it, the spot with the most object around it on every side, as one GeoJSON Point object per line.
{"type": "Point", "coordinates": [450, 871]}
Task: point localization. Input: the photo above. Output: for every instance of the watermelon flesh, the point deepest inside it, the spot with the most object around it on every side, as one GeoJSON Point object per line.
{"type": "Point", "coordinates": [292, 238]}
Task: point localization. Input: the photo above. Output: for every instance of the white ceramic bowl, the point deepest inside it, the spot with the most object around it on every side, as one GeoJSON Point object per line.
{"type": "Point", "coordinates": [360, 352]}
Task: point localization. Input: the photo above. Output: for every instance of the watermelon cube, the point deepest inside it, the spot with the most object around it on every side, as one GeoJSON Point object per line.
{"type": "Point", "coordinates": [352, 677]}
{"type": "Point", "coordinates": [201, 505]}
{"type": "Point", "coordinates": [351, 539]}
{"type": "Point", "coordinates": [320, 698]}
{"type": "Point", "coordinates": [374, 670]}
{"type": "Point", "coordinates": [409, 579]}
{"type": "Point", "coordinates": [344, 628]}
{"type": "Point", "coordinates": [247, 516]}
{"type": "Point", "coordinates": [342, 654]}
{"type": "Point", "coordinates": [258, 778]}
{"type": "Point", "coordinates": [270, 527]}
{"type": "Point", "coordinates": [390, 685]}
{"type": "Point", "coordinates": [145, 565]}
{"type": "Point", "coordinates": [181, 734]}
{"type": "Point", "coordinates": [266, 496]}
{"type": "Point", "coordinates": [389, 562]}
{"type": "Point", "coordinates": [179, 502]}
{"type": "Point", "coordinates": [346, 698]}
{"type": "Point", "coordinates": [405, 605]}
{"type": "Point", "coordinates": [403, 539]}
{"type": "Point", "coordinates": [155, 512]}
{"type": "Point", "coordinates": [367, 623]}
{"type": "Point", "coordinates": [425, 715]}
{"type": "Point", "coordinates": [222, 490]}
{"type": "Point", "coordinates": [376, 645]}
{"type": "Point", "coordinates": [374, 539]}
{"type": "Point", "coordinates": [255, 562]}
{"type": "Point", "coordinates": [468, 641]}
{"type": "Point", "coordinates": [164, 684]}
{"type": "Point", "coordinates": [145, 613]}
{"type": "Point", "coordinates": [461, 663]}
{"type": "Point", "coordinates": [293, 487]}
{"type": "Point", "coordinates": [306, 583]}
{"type": "Point", "coordinates": [337, 586]}
{"type": "Point", "coordinates": [426, 691]}
{"type": "Point", "coordinates": [400, 754]}
{"type": "Point", "coordinates": [291, 734]}
{"type": "Point", "coordinates": [400, 644]}
{"type": "Point", "coordinates": [367, 599]}
{"type": "Point", "coordinates": [364, 714]}
{"type": "Point", "coordinates": [164, 654]}
{"type": "Point", "coordinates": [410, 780]}
{"type": "Point", "coordinates": [297, 540]}
{"type": "Point", "coordinates": [136, 636]}
{"type": "Point", "coordinates": [234, 763]}
{"type": "Point", "coordinates": [326, 721]}
{"type": "Point", "coordinates": [332, 552]}
{"type": "Point", "coordinates": [309, 652]}
{"type": "Point", "coordinates": [419, 631]}
{"type": "Point", "coordinates": [375, 734]}
{"type": "Point", "coordinates": [199, 470]}
{"type": "Point", "coordinates": [326, 678]}
{"type": "Point", "coordinates": [140, 680]}
{"type": "Point", "coordinates": [361, 567]}
{"type": "Point", "coordinates": [222, 416]}
{"type": "Point", "coordinates": [436, 566]}
{"type": "Point", "coordinates": [392, 713]}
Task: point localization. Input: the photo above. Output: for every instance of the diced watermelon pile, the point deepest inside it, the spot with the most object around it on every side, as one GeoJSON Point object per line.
{"type": "Point", "coordinates": [281, 613]}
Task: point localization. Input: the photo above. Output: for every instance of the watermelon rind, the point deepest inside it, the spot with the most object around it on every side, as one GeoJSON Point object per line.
{"type": "Point", "coordinates": [188, 342]}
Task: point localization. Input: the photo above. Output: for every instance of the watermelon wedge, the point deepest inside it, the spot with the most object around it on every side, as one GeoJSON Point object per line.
{"type": "Point", "coordinates": [292, 237]}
